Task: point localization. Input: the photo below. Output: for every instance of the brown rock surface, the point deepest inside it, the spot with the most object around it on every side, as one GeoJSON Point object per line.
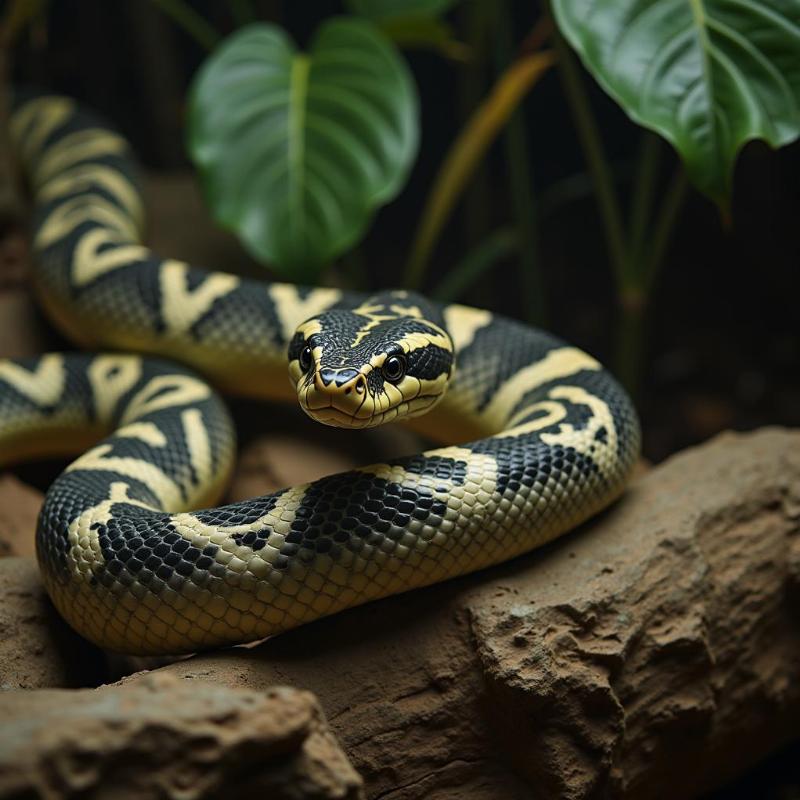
{"type": "Point", "coordinates": [654, 653]}
{"type": "Point", "coordinates": [19, 508]}
{"type": "Point", "coordinates": [162, 737]}
{"type": "Point", "coordinates": [37, 648]}
{"type": "Point", "coordinates": [273, 462]}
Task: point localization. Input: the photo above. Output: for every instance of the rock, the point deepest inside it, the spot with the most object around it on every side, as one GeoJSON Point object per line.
{"type": "Point", "coordinates": [22, 332]}
{"type": "Point", "coordinates": [274, 462]}
{"type": "Point", "coordinates": [161, 737]}
{"type": "Point", "coordinates": [656, 647]}
{"type": "Point", "coordinates": [179, 224]}
{"type": "Point", "coordinates": [37, 648]}
{"type": "Point", "coordinates": [19, 508]}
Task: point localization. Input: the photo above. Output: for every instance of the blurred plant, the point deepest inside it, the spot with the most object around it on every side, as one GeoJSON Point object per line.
{"type": "Point", "coordinates": [298, 150]}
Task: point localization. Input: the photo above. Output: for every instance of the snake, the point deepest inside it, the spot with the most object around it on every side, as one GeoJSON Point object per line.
{"type": "Point", "coordinates": [531, 436]}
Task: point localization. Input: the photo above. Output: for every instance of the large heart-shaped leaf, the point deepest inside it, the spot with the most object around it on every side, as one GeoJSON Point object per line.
{"type": "Point", "coordinates": [706, 74]}
{"type": "Point", "coordinates": [297, 150]}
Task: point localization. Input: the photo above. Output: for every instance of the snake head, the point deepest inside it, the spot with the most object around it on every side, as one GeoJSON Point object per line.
{"type": "Point", "coordinates": [365, 367]}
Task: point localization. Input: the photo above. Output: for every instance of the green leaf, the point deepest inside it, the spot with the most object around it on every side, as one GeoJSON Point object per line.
{"type": "Point", "coordinates": [381, 10]}
{"type": "Point", "coordinates": [708, 75]}
{"type": "Point", "coordinates": [296, 151]}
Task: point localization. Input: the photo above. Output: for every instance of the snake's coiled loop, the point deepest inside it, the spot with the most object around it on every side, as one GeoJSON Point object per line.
{"type": "Point", "coordinates": [541, 436]}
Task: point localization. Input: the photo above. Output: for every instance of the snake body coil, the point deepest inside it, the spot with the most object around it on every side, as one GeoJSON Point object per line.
{"type": "Point", "coordinates": [546, 437]}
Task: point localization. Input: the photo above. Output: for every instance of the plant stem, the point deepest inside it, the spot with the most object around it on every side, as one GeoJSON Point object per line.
{"type": "Point", "coordinates": [185, 17]}
{"type": "Point", "coordinates": [519, 171]}
{"type": "Point", "coordinates": [667, 217]}
{"type": "Point", "coordinates": [473, 81]}
{"type": "Point", "coordinates": [465, 154]}
{"type": "Point", "coordinates": [496, 246]}
{"type": "Point", "coordinates": [595, 157]}
{"type": "Point", "coordinates": [642, 202]}
{"type": "Point", "coordinates": [635, 295]}
{"type": "Point", "coordinates": [630, 334]}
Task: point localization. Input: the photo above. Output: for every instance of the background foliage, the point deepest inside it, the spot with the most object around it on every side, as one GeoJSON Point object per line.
{"type": "Point", "coordinates": [531, 190]}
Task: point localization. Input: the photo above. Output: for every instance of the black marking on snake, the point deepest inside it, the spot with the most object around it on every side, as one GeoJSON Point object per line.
{"type": "Point", "coordinates": [480, 366]}
{"type": "Point", "coordinates": [430, 362]}
{"type": "Point", "coordinates": [354, 510]}
{"type": "Point", "coordinates": [452, 470]}
{"type": "Point", "coordinates": [145, 545]}
{"type": "Point", "coordinates": [526, 461]}
{"type": "Point", "coordinates": [375, 382]}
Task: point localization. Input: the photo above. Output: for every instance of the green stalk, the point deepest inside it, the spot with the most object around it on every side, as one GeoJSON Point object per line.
{"type": "Point", "coordinates": [642, 202]}
{"type": "Point", "coordinates": [668, 216]}
{"type": "Point", "coordinates": [519, 170]}
{"type": "Point", "coordinates": [471, 88]}
{"type": "Point", "coordinates": [466, 152]}
{"type": "Point", "coordinates": [595, 157]}
{"type": "Point", "coordinates": [635, 295]}
{"type": "Point", "coordinates": [630, 336]}
{"type": "Point", "coordinates": [186, 18]}
{"type": "Point", "coordinates": [496, 246]}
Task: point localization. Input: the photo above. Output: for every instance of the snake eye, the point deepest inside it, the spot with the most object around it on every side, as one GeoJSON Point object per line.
{"type": "Point", "coordinates": [305, 359]}
{"type": "Point", "coordinates": [394, 368]}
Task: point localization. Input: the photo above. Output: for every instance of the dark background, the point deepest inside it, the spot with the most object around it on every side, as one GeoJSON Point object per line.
{"type": "Point", "coordinates": [722, 349]}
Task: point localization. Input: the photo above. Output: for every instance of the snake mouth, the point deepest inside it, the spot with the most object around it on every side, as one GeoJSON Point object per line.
{"type": "Point", "coordinates": [337, 418]}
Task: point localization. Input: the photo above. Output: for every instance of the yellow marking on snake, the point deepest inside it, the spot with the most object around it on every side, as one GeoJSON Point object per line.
{"type": "Point", "coordinates": [68, 215]}
{"type": "Point", "coordinates": [168, 493]}
{"type": "Point", "coordinates": [75, 147]}
{"type": "Point", "coordinates": [463, 323]}
{"type": "Point", "coordinates": [372, 313]}
{"type": "Point", "coordinates": [406, 311]}
{"type": "Point", "coordinates": [553, 412]}
{"type": "Point", "coordinates": [291, 308]}
{"type": "Point", "coordinates": [89, 177]}
{"type": "Point", "coordinates": [36, 120]}
{"type": "Point", "coordinates": [556, 364]}
{"type": "Point", "coordinates": [603, 453]}
{"type": "Point", "coordinates": [110, 378]}
{"type": "Point", "coordinates": [82, 532]}
{"type": "Point", "coordinates": [182, 307]}
{"type": "Point", "coordinates": [416, 339]}
{"type": "Point", "coordinates": [147, 432]}
{"type": "Point", "coordinates": [165, 391]}
{"type": "Point", "coordinates": [196, 437]}
{"type": "Point", "coordinates": [44, 385]}
{"type": "Point", "coordinates": [90, 262]}
{"type": "Point", "coordinates": [277, 519]}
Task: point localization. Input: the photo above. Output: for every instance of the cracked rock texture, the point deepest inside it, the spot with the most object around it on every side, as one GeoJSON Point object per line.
{"type": "Point", "coordinates": [653, 653]}
{"type": "Point", "coordinates": [37, 648]}
{"type": "Point", "coordinates": [179, 740]}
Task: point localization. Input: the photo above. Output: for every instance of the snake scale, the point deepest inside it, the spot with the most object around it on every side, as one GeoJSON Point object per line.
{"type": "Point", "coordinates": [540, 435]}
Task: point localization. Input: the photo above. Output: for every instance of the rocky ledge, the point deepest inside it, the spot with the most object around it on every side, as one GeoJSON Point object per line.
{"type": "Point", "coordinates": [658, 646]}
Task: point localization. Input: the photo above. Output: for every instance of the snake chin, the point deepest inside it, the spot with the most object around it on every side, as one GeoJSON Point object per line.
{"type": "Point", "coordinates": [332, 416]}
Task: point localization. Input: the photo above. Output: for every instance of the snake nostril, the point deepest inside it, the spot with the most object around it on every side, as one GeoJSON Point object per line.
{"type": "Point", "coordinates": [361, 384]}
